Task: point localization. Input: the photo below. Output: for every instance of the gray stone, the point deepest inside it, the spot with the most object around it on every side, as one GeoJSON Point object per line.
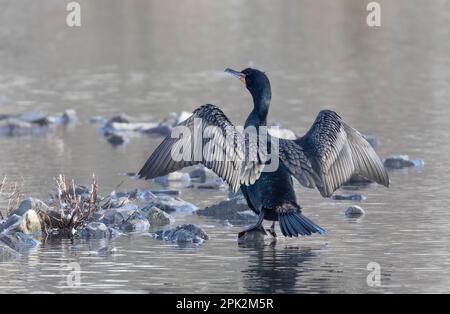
{"type": "Point", "coordinates": [252, 237]}
{"type": "Point", "coordinates": [348, 197]}
{"type": "Point", "coordinates": [157, 217]}
{"type": "Point", "coordinates": [11, 224]}
{"type": "Point", "coordinates": [19, 241]}
{"type": "Point", "coordinates": [166, 192]}
{"type": "Point", "coordinates": [95, 230]}
{"type": "Point", "coordinates": [183, 234]}
{"type": "Point", "coordinates": [354, 211]}
{"type": "Point", "coordinates": [30, 203]}
{"type": "Point", "coordinates": [171, 204]}
{"type": "Point", "coordinates": [202, 174]}
{"type": "Point", "coordinates": [135, 225]}
{"type": "Point", "coordinates": [234, 210]}
{"type": "Point", "coordinates": [7, 253]}
{"type": "Point", "coordinates": [116, 139]}
{"type": "Point", "coordinates": [401, 161]}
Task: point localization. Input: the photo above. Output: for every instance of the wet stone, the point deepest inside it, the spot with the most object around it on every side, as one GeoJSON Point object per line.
{"type": "Point", "coordinates": [348, 197]}
{"type": "Point", "coordinates": [401, 161]}
{"type": "Point", "coordinates": [354, 211]}
{"type": "Point", "coordinates": [157, 217]}
{"type": "Point", "coordinates": [95, 230]}
{"type": "Point", "coordinates": [117, 139]}
{"type": "Point", "coordinates": [187, 233]}
{"type": "Point", "coordinates": [19, 241]}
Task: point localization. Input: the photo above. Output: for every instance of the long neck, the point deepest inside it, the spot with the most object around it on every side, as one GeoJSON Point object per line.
{"type": "Point", "coordinates": [261, 103]}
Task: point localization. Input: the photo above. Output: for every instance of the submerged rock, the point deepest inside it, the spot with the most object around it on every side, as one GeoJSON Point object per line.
{"type": "Point", "coordinates": [95, 230]}
{"type": "Point", "coordinates": [19, 241]}
{"type": "Point", "coordinates": [183, 234]}
{"type": "Point", "coordinates": [401, 161]}
{"type": "Point", "coordinates": [348, 197]}
{"type": "Point", "coordinates": [117, 139]}
{"type": "Point", "coordinates": [252, 236]}
{"type": "Point", "coordinates": [166, 192]}
{"type": "Point", "coordinates": [354, 211]}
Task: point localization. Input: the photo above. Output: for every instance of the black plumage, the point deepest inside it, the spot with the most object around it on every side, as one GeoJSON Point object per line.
{"type": "Point", "coordinates": [324, 158]}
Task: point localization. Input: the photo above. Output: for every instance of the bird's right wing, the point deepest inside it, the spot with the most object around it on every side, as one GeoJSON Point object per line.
{"type": "Point", "coordinates": [211, 139]}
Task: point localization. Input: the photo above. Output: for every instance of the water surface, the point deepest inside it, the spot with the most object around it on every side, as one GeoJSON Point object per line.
{"type": "Point", "coordinates": [148, 58]}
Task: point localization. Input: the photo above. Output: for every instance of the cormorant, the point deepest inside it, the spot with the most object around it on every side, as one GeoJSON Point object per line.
{"type": "Point", "coordinates": [324, 158]}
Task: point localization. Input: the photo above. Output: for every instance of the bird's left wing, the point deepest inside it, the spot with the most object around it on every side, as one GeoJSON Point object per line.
{"type": "Point", "coordinates": [337, 151]}
{"type": "Point", "coordinates": [212, 140]}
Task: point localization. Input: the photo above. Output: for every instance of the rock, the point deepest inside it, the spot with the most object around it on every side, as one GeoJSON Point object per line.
{"type": "Point", "coordinates": [135, 225]}
{"type": "Point", "coordinates": [30, 223]}
{"type": "Point", "coordinates": [354, 211]}
{"type": "Point", "coordinates": [166, 192]}
{"type": "Point", "coordinates": [116, 139]}
{"type": "Point", "coordinates": [12, 127]}
{"type": "Point", "coordinates": [7, 253]}
{"type": "Point", "coordinates": [95, 230]}
{"type": "Point", "coordinates": [30, 203]}
{"type": "Point", "coordinates": [202, 174]}
{"type": "Point", "coordinates": [244, 216]}
{"type": "Point", "coordinates": [171, 204]}
{"type": "Point", "coordinates": [233, 210]}
{"type": "Point", "coordinates": [401, 161]}
{"type": "Point", "coordinates": [117, 216]}
{"type": "Point", "coordinates": [348, 197]}
{"type": "Point", "coordinates": [159, 129]}
{"type": "Point", "coordinates": [11, 224]}
{"type": "Point", "coordinates": [19, 241]}
{"type": "Point", "coordinates": [120, 118]}
{"type": "Point", "coordinates": [174, 177]}
{"type": "Point", "coordinates": [213, 184]}
{"type": "Point", "coordinates": [252, 236]}
{"type": "Point", "coordinates": [37, 118]}
{"type": "Point", "coordinates": [157, 217]}
{"type": "Point", "coordinates": [183, 234]}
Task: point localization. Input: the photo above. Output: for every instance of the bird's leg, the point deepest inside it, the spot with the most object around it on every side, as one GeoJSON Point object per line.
{"type": "Point", "coordinates": [256, 227]}
{"type": "Point", "coordinates": [271, 230]}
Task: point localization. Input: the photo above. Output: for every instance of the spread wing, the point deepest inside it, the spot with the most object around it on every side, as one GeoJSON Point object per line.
{"type": "Point", "coordinates": [295, 160]}
{"type": "Point", "coordinates": [224, 150]}
{"type": "Point", "coordinates": [336, 151]}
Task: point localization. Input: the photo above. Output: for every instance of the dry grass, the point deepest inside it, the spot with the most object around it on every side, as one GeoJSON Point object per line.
{"type": "Point", "coordinates": [12, 192]}
{"type": "Point", "coordinates": [69, 210]}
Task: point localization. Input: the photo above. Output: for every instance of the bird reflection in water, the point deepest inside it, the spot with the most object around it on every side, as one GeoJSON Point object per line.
{"type": "Point", "coordinates": [278, 268]}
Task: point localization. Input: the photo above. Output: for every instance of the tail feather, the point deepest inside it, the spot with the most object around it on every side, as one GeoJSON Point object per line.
{"type": "Point", "coordinates": [293, 224]}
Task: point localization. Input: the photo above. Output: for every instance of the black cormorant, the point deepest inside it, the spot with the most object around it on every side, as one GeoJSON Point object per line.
{"type": "Point", "coordinates": [324, 158]}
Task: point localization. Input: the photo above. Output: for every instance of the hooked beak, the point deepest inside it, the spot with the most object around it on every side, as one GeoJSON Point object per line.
{"type": "Point", "coordinates": [239, 75]}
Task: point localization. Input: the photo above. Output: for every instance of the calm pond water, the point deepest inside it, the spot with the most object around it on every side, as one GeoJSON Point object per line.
{"type": "Point", "coordinates": [148, 58]}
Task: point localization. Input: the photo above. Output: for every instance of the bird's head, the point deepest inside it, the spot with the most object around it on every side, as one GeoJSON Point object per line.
{"type": "Point", "coordinates": [256, 82]}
